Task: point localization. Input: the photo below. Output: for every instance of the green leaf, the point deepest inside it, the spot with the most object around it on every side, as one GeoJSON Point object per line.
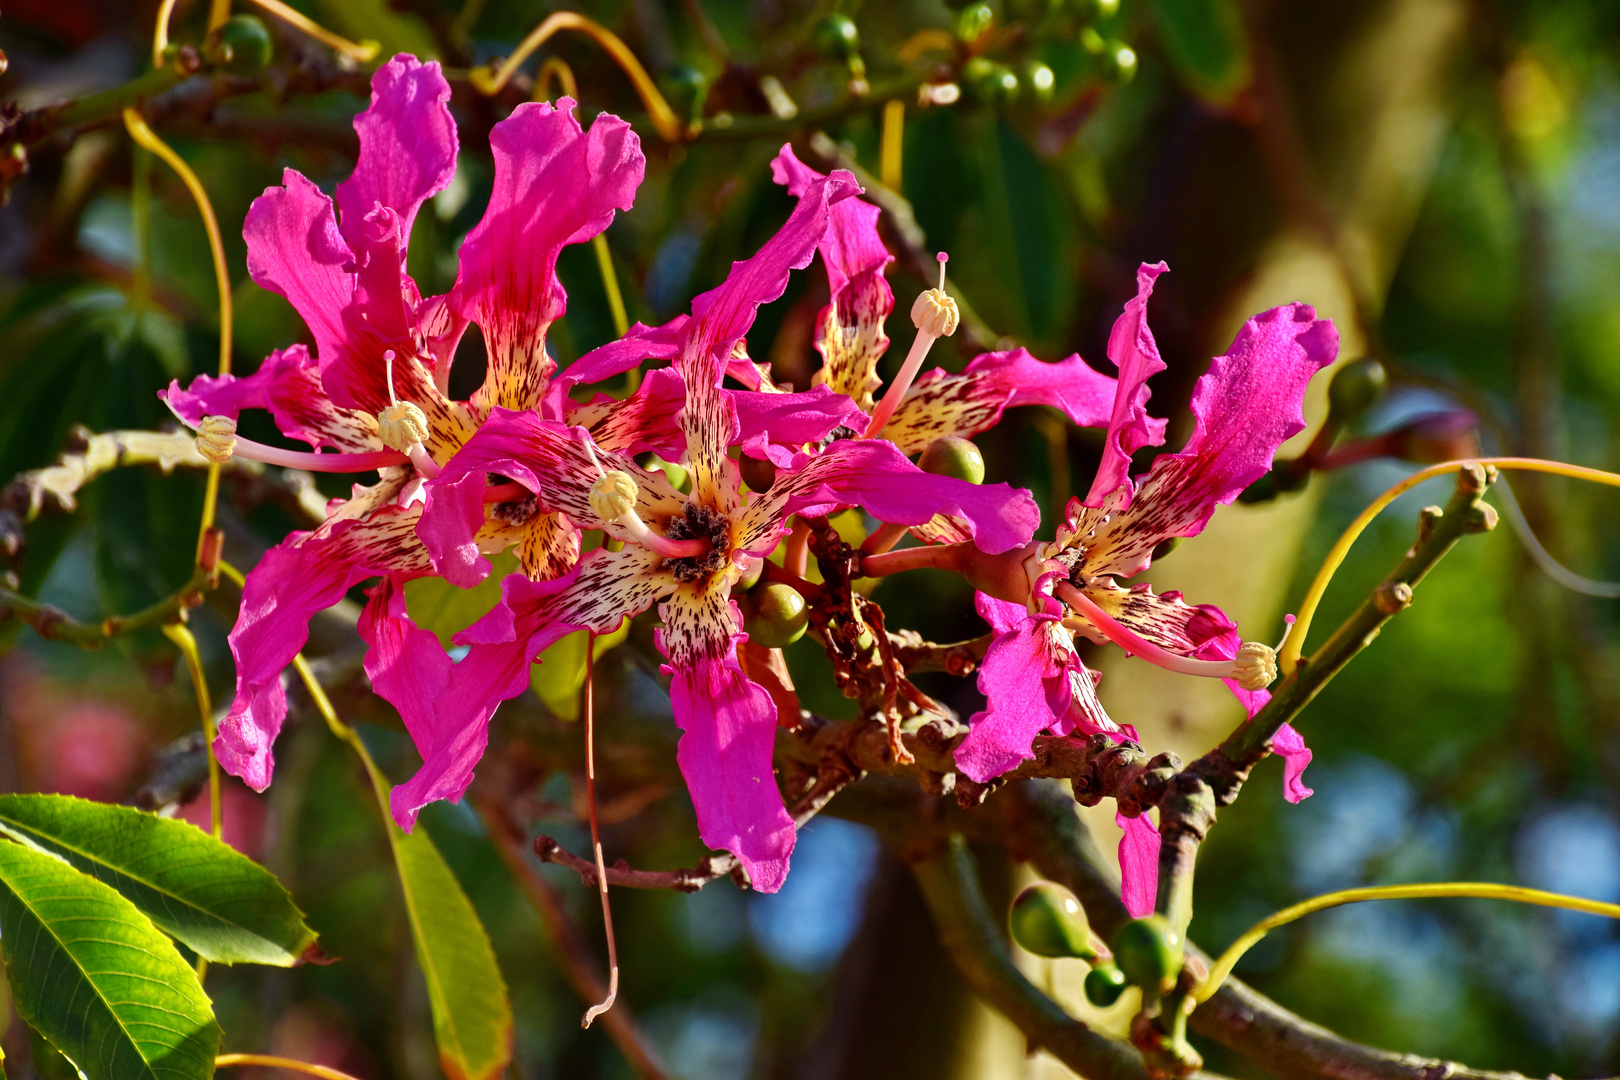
{"type": "Point", "coordinates": [1206, 44]}
{"type": "Point", "coordinates": [96, 978]}
{"type": "Point", "coordinates": [559, 674]}
{"type": "Point", "coordinates": [220, 903]}
{"type": "Point", "coordinates": [472, 1015]}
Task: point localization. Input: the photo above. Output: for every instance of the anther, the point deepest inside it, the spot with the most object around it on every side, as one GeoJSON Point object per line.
{"type": "Point", "coordinates": [935, 315]}
{"type": "Point", "coordinates": [613, 499]}
{"type": "Point", "coordinates": [1256, 665]}
{"type": "Point", "coordinates": [403, 426]}
{"type": "Point", "coordinates": [216, 438]}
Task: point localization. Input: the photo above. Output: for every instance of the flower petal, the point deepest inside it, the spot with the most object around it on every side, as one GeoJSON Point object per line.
{"type": "Point", "coordinates": [294, 250]}
{"type": "Point", "coordinates": [1165, 619]}
{"type": "Point", "coordinates": [1244, 407]}
{"type": "Point", "coordinates": [873, 474]}
{"type": "Point", "coordinates": [303, 575]}
{"type": "Point", "coordinates": [407, 146]}
{"type": "Point", "coordinates": [777, 425]}
{"type": "Point", "coordinates": [723, 315]}
{"type": "Point", "coordinates": [288, 385]}
{"type": "Point", "coordinates": [728, 726]}
{"type": "Point", "coordinates": [406, 664]}
{"type": "Point", "coordinates": [646, 420]}
{"type": "Point", "coordinates": [555, 184]}
{"type": "Point", "coordinates": [940, 404]}
{"type": "Point", "coordinates": [639, 343]}
{"type": "Point", "coordinates": [849, 330]}
{"type": "Point", "coordinates": [1025, 681]}
{"type": "Point", "coordinates": [600, 593]}
{"type": "Point", "coordinates": [1134, 352]}
{"type": "Point", "coordinates": [1138, 864]}
{"type": "Point", "coordinates": [1296, 755]}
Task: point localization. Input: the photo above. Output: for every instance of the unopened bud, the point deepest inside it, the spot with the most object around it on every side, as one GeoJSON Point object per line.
{"type": "Point", "coordinates": [614, 495]}
{"type": "Point", "coordinates": [1256, 665]}
{"type": "Point", "coordinates": [216, 438]}
{"type": "Point", "coordinates": [401, 426]}
{"type": "Point", "coordinates": [935, 313]}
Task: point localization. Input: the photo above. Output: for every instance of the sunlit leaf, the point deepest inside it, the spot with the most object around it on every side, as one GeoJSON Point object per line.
{"type": "Point", "coordinates": [472, 1015]}
{"type": "Point", "coordinates": [435, 604]}
{"type": "Point", "coordinates": [221, 904]}
{"type": "Point", "coordinates": [96, 978]}
{"type": "Point", "coordinates": [559, 675]}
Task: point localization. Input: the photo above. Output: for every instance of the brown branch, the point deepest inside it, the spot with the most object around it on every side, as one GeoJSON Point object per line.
{"type": "Point", "coordinates": [579, 967]}
{"type": "Point", "coordinates": [957, 658]}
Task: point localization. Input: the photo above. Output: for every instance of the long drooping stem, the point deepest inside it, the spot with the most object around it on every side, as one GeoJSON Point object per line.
{"type": "Point", "coordinates": [587, 702]}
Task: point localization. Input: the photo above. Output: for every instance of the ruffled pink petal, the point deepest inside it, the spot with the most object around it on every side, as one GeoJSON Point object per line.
{"type": "Point", "coordinates": [407, 146]}
{"type": "Point", "coordinates": [1024, 678]}
{"type": "Point", "coordinates": [1138, 864]}
{"type": "Point", "coordinates": [288, 385]}
{"type": "Point", "coordinates": [776, 426]}
{"type": "Point", "coordinates": [294, 250]}
{"type": "Point", "coordinates": [598, 594]}
{"type": "Point", "coordinates": [1134, 352]}
{"type": "Point", "coordinates": [639, 343]}
{"type": "Point", "coordinates": [649, 419]}
{"type": "Point", "coordinates": [1244, 407]}
{"type": "Point", "coordinates": [849, 330]}
{"type": "Point", "coordinates": [721, 316]}
{"type": "Point", "coordinates": [941, 404]}
{"type": "Point", "coordinates": [1296, 755]}
{"type": "Point", "coordinates": [298, 578]}
{"type": "Point", "coordinates": [872, 473]}
{"type": "Point", "coordinates": [555, 184]}
{"type": "Point", "coordinates": [728, 726]}
{"type": "Point", "coordinates": [406, 664]}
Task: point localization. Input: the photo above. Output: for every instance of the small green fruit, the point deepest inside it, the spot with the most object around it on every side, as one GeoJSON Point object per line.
{"type": "Point", "coordinates": [1120, 61]}
{"type": "Point", "coordinates": [1149, 952]}
{"type": "Point", "coordinates": [1040, 80]}
{"type": "Point", "coordinates": [779, 617]}
{"type": "Point", "coordinates": [837, 37]}
{"type": "Point", "coordinates": [1047, 920]}
{"type": "Point", "coordinates": [953, 456]}
{"type": "Point", "coordinates": [757, 473]}
{"type": "Point", "coordinates": [1104, 984]}
{"type": "Point", "coordinates": [681, 84]}
{"type": "Point", "coordinates": [1356, 387]}
{"type": "Point", "coordinates": [990, 82]}
{"type": "Point", "coordinates": [749, 576]}
{"type": "Point", "coordinates": [973, 21]}
{"type": "Point", "coordinates": [241, 45]}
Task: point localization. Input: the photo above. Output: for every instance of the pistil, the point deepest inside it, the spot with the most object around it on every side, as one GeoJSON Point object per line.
{"type": "Point", "coordinates": [218, 442]}
{"type": "Point", "coordinates": [613, 499]}
{"type": "Point", "coordinates": [935, 316]}
{"type": "Point", "coordinates": [1254, 669]}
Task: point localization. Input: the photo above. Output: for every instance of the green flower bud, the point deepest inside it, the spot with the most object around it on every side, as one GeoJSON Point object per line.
{"type": "Point", "coordinates": [974, 21]}
{"type": "Point", "coordinates": [953, 456]}
{"type": "Point", "coordinates": [991, 83]}
{"type": "Point", "coordinates": [239, 46]}
{"type": "Point", "coordinates": [1040, 80]}
{"type": "Point", "coordinates": [1104, 984]}
{"type": "Point", "coordinates": [779, 615]}
{"type": "Point", "coordinates": [1047, 920]}
{"type": "Point", "coordinates": [1120, 61]}
{"type": "Point", "coordinates": [1149, 952]}
{"type": "Point", "coordinates": [1356, 387]}
{"type": "Point", "coordinates": [837, 37]}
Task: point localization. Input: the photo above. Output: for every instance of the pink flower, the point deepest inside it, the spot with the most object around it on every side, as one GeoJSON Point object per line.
{"type": "Point", "coordinates": [378, 341]}
{"type": "Point", "coordinates": [683, 552]}
{"type": "Point", "coordinates": [1246, 406]}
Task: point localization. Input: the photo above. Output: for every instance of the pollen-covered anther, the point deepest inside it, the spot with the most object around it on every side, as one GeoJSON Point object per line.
{"type": "Point", "coordinates": [614, 495]}
{"type": "Point", "coordinates": [402, 426]}
{"type": "Point", "coordinates": [216, 438]}
{"type": "Point", "coordinates": [1256, 665]}
{"type": "Point", "coordinates": [934, 313]}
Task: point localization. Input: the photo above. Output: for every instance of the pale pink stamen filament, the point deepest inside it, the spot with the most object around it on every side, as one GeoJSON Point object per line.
{"type": "Point", "coordinates": [908, 371]}
{"type": "Point", "coordinates": [314, 462]}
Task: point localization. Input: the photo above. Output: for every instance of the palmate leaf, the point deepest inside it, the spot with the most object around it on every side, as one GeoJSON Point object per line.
{"type": "Point", "coordinates": [220, 903]}
{"type": "Point", "coordinates": [92, 974]}
{"type": "Point", "coordinates": [472, 1015]}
